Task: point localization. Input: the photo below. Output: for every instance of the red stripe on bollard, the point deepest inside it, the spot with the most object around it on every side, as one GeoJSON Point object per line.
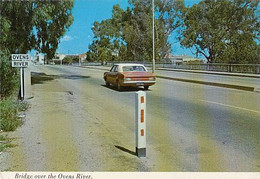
{"type": "Point", "coordinates": [142, 116]}
{"type": "Point", "coordinates": [142, 99]}
{"type": "Point", "coordinates": [142, 132]}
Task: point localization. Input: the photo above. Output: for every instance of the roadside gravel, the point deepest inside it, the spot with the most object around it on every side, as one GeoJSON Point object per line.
{"type": "Point", "coordinates": [64, 131]}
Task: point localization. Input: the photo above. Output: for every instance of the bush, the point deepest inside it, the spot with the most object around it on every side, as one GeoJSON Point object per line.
{"type": "Point", "coordinates": [9, 79]}
{"type": "Point", "coordinates": [9, 110]}
{"type": "Point", "coordinates": [5, 143]}
{"type": "Point", "coordinates": [70, 59]}
{"type": "Point", "coordinates": [2, 143]}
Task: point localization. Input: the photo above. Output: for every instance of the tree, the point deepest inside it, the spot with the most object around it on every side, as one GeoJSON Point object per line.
{"type": "Point", "coordinates": [108, 42]}
{"type": "Point", "coordinates": [70, 59]}
{"type": "Point", "coordinates": [36, 25]}
{"type": "Point", "coordinates": [8, 77]}
{"type": "Point", "coordinates": [51, 19]}
{"type": "Point", "coordinates": [166, 21]}
{"type": "Point", "coordinates": [129, 32]}
{"type": "Point", "coordinates": [222, 31]}
{"type": "Point", "coordinates": [27, 25]}
{"type": "Point", "coordinates": [16, 25]}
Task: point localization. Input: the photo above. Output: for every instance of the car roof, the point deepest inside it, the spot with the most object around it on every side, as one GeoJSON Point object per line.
{"type": "Point", "coordinates": [129, 64]}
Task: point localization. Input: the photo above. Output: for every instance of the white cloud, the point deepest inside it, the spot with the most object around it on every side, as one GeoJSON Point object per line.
{"type": "Point", "coordinates": [66, 38]}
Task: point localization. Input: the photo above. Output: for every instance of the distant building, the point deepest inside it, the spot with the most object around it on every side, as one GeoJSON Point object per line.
{"type": "Point", "coordinates": [58, 58]}
{"type": "Point", "coordinates": [39, 58]}
{"type": "Point", "coordinates": [83, 57]}
{"type": "Point", "coordinates": [179, 59]}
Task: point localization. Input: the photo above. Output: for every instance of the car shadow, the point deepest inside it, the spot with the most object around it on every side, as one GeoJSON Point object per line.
{"type": "Point", "coordinates": [125, 150]}
{"type": "Point", "coordinates": [125, 89]}
{"type": "Point", "coordinates": [40, 78]}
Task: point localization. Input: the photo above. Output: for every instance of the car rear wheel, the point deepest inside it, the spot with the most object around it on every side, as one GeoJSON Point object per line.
{"type": "Point", "coordinates": [119, 87]}
{"type": "Point", "coordinates": [107, 83]}
{"type": "Point", "coordinates": [146, 87]}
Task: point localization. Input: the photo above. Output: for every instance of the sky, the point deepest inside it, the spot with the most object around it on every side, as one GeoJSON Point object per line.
{"type": "Point", "coordinates": [85, 12]}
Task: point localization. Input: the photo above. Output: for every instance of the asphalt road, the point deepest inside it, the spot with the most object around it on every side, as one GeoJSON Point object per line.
{"type": "Point", "coordinates": [77, 124]}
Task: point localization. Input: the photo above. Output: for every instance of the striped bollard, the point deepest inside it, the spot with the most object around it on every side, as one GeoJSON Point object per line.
{"type": "Point", "coordinates": [140, 123]}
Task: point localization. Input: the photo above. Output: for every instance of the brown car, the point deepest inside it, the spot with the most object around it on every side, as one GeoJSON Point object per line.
{"type": "Point", "coordinates": [134, 75]}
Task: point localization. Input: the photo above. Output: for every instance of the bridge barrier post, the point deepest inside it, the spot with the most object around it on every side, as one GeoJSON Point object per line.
{"type": "Point", "coordinates": [140, 123]}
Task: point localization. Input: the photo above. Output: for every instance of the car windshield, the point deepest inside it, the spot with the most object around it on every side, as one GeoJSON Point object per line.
{"type": "Point", "coordinates": [133, 68]}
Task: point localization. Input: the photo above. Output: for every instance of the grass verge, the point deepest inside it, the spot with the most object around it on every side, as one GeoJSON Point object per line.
{"type": "Point", "coordinates": [9, 119]}
{"type": "Point", "coordinates": [5, 143]}
{"type": "Point", "coordinates": [9, 114]}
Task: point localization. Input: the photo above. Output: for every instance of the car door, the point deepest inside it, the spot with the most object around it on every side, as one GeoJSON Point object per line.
{"type": "Point", "coordinates": [114, 74]}
{"type": "Point", "coordinates": [109, 75]}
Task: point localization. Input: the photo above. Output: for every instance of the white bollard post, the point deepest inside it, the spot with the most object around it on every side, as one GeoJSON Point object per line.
{"type": "Point", "coordinates": [140, 123]}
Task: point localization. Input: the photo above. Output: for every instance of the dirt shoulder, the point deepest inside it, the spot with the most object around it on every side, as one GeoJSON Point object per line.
{"type": "Point", "coordinates": [62, 133]}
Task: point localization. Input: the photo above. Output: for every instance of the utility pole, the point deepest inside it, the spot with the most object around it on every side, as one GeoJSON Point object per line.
{"type": "Point", "coordinates": [153, 42]}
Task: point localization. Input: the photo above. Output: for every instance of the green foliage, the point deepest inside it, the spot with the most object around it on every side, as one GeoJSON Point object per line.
{"type": "Point", "coordinates": [51, 19]}
{"type": "Point", "coordinates": [39, 25]}
{"type": "Point", "coordinates": [194, 62]}
{"type": "Point", "coordinates": [128, 34]}
{"type": "Point", "coordinates": [223, 31]}
{"type": "Point", "coordinates": [70, 59]}
{"type": "Point", "coordinates": [16, 20]}
{"type": "Point", "coordinates": [9, 114]}
{"type": "Point", "coordinates": [5, 143]}
{"type": "Point", "coordinates": [27, 25]}
{"type": "Point", "coordinates": [9, 78]}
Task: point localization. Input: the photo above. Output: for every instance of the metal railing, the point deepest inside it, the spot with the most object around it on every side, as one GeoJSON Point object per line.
{"type": "Point", "coordinates": [218, 67]}
{"type": "Point", "coordinates": [232, 68]}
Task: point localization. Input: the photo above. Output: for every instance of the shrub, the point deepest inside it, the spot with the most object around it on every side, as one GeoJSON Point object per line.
{"type": "Point", "coordinates": [9, 79]}
{"type": "Point", "coordinates": [70, 59]}
{"type": "Point", "coordinates": [5, 143]}
{"type": "Point", "coordinates": [9, 109]}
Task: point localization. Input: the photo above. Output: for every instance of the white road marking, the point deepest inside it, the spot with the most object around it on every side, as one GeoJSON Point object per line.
{"type": "Point", "coordinates": [231, 106]}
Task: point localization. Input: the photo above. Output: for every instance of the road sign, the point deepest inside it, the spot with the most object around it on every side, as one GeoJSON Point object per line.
{"type": "Point", "coordinates": [20, 60]}
{"type": "Point", "coordinates": [20, 64]}
{"type": "Point", "coordinates": [20, 57]}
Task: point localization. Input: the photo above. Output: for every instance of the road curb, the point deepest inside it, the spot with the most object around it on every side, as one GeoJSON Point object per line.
{"type": "Point", "coordinates": [212, 73]}
{"type": "Point", "coordinates": [245, 88]}
{"type": "Point", "coordinates": [239, 87]}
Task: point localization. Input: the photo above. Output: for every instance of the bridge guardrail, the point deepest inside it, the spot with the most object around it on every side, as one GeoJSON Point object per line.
{"type": "Point", "coordinates": [217, 67]}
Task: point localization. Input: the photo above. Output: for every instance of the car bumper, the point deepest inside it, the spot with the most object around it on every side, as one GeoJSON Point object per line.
{"type": "Point", "coordinates": [137, 83]}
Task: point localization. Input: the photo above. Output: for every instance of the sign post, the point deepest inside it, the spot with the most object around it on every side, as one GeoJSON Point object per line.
{"type": "Point", "coordinates": [140, 123]}
{"type": "Point", "coordinates": [21, 61]}
{"type": "Point", "coordinates": [22, 83]}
